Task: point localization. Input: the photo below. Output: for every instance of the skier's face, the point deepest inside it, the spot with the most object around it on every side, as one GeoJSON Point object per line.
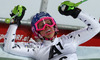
{"type": "Point", "coordinates": [48, 31]}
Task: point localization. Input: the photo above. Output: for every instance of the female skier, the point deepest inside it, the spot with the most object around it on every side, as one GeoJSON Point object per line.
{"type": "Point", "coordinates": [49, 46]}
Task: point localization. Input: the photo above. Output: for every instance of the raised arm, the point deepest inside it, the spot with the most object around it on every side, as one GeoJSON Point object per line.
{"type": "Point", "coordinates": [10, 46]}
{"type": "Point", "coordinates": [84, 34]}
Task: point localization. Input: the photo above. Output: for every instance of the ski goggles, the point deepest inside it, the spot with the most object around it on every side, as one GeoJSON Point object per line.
{"type": "Point", "coordinates": [41, 24]}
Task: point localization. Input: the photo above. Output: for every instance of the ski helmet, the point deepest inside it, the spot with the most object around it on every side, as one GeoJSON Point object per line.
{"type": "Point", "coordinates": [38, 17]}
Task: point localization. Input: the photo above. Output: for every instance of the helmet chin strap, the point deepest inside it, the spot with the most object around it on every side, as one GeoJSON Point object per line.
{"type": "Point", "coordinates": [49, 38]}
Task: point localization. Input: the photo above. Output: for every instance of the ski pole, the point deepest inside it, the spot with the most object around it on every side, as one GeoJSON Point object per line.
{"type": "Point", "coordinates": [73, 5]}
{"type": "Point", "coordinates": [77, 4]}
{"type": "Point", "coordinates": [9, 20]}
{"type": "Point", "coordinates": [17, 11]}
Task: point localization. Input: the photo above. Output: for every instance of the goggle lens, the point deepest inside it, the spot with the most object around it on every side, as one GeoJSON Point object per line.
{"type": "Point", "coordinates": [43, 22]}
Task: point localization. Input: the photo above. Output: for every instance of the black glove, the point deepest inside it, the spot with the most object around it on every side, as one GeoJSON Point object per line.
{"type": "Point", "coordinates": [18, 9]}
{"type": "Point", "coordinates": [67, 8]}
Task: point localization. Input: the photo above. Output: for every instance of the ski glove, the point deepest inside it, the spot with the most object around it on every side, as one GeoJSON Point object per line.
{"type": "Point", "coordinates": [68, 8]}
{"type": "Point", "coordinates": [19, 11]}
